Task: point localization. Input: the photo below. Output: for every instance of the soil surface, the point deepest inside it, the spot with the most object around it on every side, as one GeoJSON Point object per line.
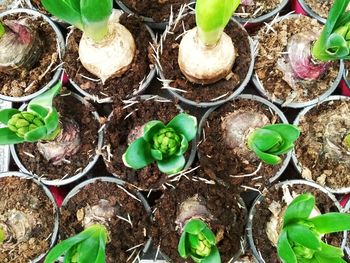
{"type": "Point", "coordinates": [116, 88]}
{"type": "Point", "coordinates": [320, 149]}
{"type": "Point", "coordinates": [23, 82]}
{"type": "Point", "coordinates": [212, 92]}
{"type": "Point", "coordinates": [256, 8]}
{"type": "Point", "coordinates": [263, 215]}
{"type": "Point", "coordinates": [227, 162]}
{"type": "Point", "coordinates": [121, 125]}
{"type": "Point", "coordinates": [26, 198]}
{"type": "Point", "coordinates": [158, 10]}
{"type": "Point", "coordinates": [38, 5]}
{"type": "Point", "coordinates": [69, 107]}
{"type": "Point", "coordinates": [320, 7]}
{"type": "Point", "coordinates": [272, 46]}
{"type": "Point", "coordinates": [228, 215]}
{"type": "Point", "coordinates": [122, 235]}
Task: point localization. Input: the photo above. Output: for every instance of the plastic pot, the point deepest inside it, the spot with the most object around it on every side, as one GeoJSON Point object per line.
{"type": "Point", "coordinates": [345, 83]}
{"type": "Point", "coordinates": [60, 182]}
{"type": "Point", "coordinates": [4, 149]}
{"type": "Point", "coordinates": [60, 43]}
{"type": "Point", "coordinates": [303, 8]}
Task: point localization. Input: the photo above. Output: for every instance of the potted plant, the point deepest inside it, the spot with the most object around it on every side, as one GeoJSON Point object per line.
{"type": "Point", "coordinates": [228, 152]}
{"type": "Point", "coordinates": [209, 64]}
{"type": "Point", "coordinates": [31, 51]}
{"type": "Point", "coordinates": [147, 140]}
{"type": "Point", "coordinates": [196, 222]}
{"type": "Point", "coordinates": [102, 222]}
{"type": "Point", "coordinates": [107, 51]}
{"type": "Point", "coordinates": [298, 66]}
{"type": "Point", "coordinates": [322, 152]}
{"type": "Point", "coordinates": [301, 223]}
{"type": "Point", "coordinates": [316, 9]}
{"type": "Point", "coordinates": [56, 140]}
{"type": "Point", "coordinates": [28, 218]}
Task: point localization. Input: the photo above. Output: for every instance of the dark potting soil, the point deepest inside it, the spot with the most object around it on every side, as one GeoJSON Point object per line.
{"type": "Point", "coordinates": [228, 214]}
{"type": "Point", "coordinates": [263, 215]}
{"type": "Point", "coordinates": [272, 45]}
{"type": "Point", "coordinates": [321, 150]}
{"type": "Point", "coordinates": [23, 82]}
{"type": "Point", "coordinates": [117, 88]}
{"type": "Point", "coordinates": [221, 161]}
{"type": "Point", "coordinates": [158, 10]}
{"type": "Point", "coordinates": [320, 7]}
{"type": "Point", "coordinates": [116, 140]}
{"type": "Point", "coordinates": [122, 235]}
{"type": "Point", "coordinates": [256, 8]}
{"type": "Point", "coordinates": [38, 5]}
{"type": "Point", "coordinates": [69, 107]}
{"type": "Point", "coordinates": [26, 197]}
{"type": "Point", "coordinates": [205, 93]}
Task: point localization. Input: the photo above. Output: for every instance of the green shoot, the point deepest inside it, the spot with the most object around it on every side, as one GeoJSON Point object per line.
{"type": "Point", "coordinates": [39, 122]}
{"type": "Point", "coordinates": [87, 246]}
{"type": "Point", "coordinates": [198, 242]}
{"type": "Point", "coordinates": [90, 16]}
{"type": "Point", "coordinates": [272, 140]}
{"type": "Point", "coordinates": [164, 144]}
{"type": "Point", "coordinates": [2, 235]}
{"type": "Point", "coordinates": [212, 16]}
{"type": "Point", "coordinates": [2, 30]}
{"type": "Point", "coordinates": [300, 239]}
{"type": "Point", "coordinates": [334, 41]}
{"type": "Point", "coordinates": [347, 141]}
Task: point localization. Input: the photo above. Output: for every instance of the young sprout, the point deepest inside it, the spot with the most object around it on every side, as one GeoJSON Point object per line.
{"type": "Point", "coordinates": [300, 239]}
{"type": "Point", "coordinates": [272, 140]}
{"type": "Point", "coordinates": [164, 144]}
{"type": "Point", "coordinates": [206, 53]}
{"type": "Point", "coordinates": [87, 246]}
{"type": "Point", "coordinates": [106, 48]}
{"type": "Point", "coordinates": [347, 141]}
{"type": "Point", "coordinates": [198, 242]}
{"type": "Point", "coordinates": [2, 235]}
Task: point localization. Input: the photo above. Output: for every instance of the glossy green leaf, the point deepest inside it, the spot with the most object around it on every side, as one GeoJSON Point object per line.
{"type": "Point", "coordinates": [172, 165]}
{"type": "Point", "coordinates": [331, 222]}
{"type": "Point", "coordinates": [286, 131]}
{"type": "Point", "coordinates": [6, 114]}
{"type": "Point", "coordinates": [101, 255]}
{"type": "Point", "coordinates": [69, 255]}
{"type": "Point", "coordinates": [138, 154]}
{"type": "Point", "coordinates": [181, 247]}
{"type": "Point", "coordinates": [266, 157]}
{"type": "Point", "coordinates": [156, 154]}
{"type": "Point", "coordinates": [36, 134]}
{"type": "Point", "coordinates": [214, 256]}
{"type": "Point", "coordinates": [39, 110]}
{"type": "Point", "coordinates": [45, 100]}
{"type": "Point", "coordinates": [265, 139]}
{"type": "Point", "coordinates": [184, 124]}
{"type": "Point", "coordinates": [330, 251]}
{"type": "Point", "coordinates": [183, 146]}
{"type": "Point", "coordinates": [337, 46]}
{"type": "Point", "coordinates": [151, 128]}
{"type": "Point", "coordinates": [2, 30]}
{"type": "Point", "coordinates": [299, 208]}
{"type": "Point", "coordinates": [194, 226]}
{"type": "Point", "coordinates": [87, 250]}
{"type": "Point", "coordinates": [9, 137]}
{"type": "Point", "coordinates": [209, 235]}
{"type": "Point", "coordinates": [51, 121]}
{"type": "Point", "coordinates": [284, 249]}
{"type": "Point", "coordinates": [322, 259]}
{"type": "Point", "coordinates": [285, 147]}
{"type": "Point", "coordinates": [302, 235]}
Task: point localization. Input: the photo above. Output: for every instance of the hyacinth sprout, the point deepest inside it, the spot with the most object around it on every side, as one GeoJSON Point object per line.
{"type": "Point", "coordinates": [300, 239]}
{"type": "Point", "coordinates": [106, 48]}
{"type": "Point", "coordinates": [273, 140]}
{"type": "Point", "coordinates": [206, 52]}
{"type": "Point", "coordinates": [162, 143]}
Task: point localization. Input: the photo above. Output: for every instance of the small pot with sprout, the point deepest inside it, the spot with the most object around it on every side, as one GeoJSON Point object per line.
{"type": "Point", "coordinates": [302, 223]}
{"type": "Point", "coordinates": [107, 56]}
{"type": "Point", "coordinates": [28, 218]}
{"type": "Point", "coordinates": [298, 65]}
{"type": "Point", "coordinates": [245, 143]}
{"type": "Point", "coordinates": [102, 222]}
{"type": "Point", "coordinates": [55, 140]}
{"type": "Point", "coordinates": [31, 47]}
{"type": "Point", "coordinates": [322, 153]}
{"type": "Point", "coordinates": [196, 222]}
{"type": "Point", "coordinates": [207, 58]}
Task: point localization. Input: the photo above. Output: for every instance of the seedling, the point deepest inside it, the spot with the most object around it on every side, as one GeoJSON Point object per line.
{"type": "Point", "coordinates": [301, 236]}
{"type": "Point", "coordinates": [272, 140]}
{"type": "Point", "coordinates": [2, 235]}
{"type": "Point", "coordinates": [198, 242]}
{"type": "Point", "coordinates": [164, 144]}
{"type": "Point", "coordinates": [347, 141]}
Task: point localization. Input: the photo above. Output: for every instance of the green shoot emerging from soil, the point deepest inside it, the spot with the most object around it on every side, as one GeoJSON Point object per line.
{"type": "Point", "coordinates": [347, 141]}
{"type": "Point", "coordinates": [2, 235]}
{"type": "Point", "coordinates": [300, 239]}
{"type": "Point", "coordinates": [2, 30]}
{"type": "Point", "coordinates": [272, 140]}
{"type": "Point", "coordinates": [164, 144]}
{"type": "Point", "coordinates": [198, 242]}
{"type": "Point", "coordinates": [87, 246]}
{"type": "Point", "coordinates": [39, 122]}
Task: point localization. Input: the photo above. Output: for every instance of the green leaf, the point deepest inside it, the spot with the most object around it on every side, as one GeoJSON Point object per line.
{"type": "Point", "coordinates": [284, 148]}
{"type": "Point", "coordinates": [330, 251]}
{"type": "Point", "coordinates": [101, 255]}
{"type": "Point", "coordinates": [6, 114]}
{"type": "Point", "coordinates": [138, 154]}
{"type": "Point", "coordinates": [172, 165]}
{"type": "Point", "coordinates": [9, 137]}
{"type": "Point", "coordinates": [2, 30]}
{"type": "Point", "coordinates": [194, 226]}
{"type": "Point", "coordinates": [209, 235]}
{"type": "Point", "coordinates": [287, 131]}
{"type": "Point", "coordinates": [184, 124]}
{"type": "Point", "coordinates": [87, 250]}
{"type": "Point", "coordinates": [331, 222]}
{"type": "Point", "coordinates": [265, 157]}
{"type": "Point", "coordinates": [264, 139]}
{"type": "Point", "coordinates": [39, 110]}
{"type": "Point", "coordinates": [181, 247]}
{"type": "Point", "coordinates": [299, 208]}
{"type": "Point", "coordinates": [193, 240]}
{"type": "Point", "coordinates": [156, 154]}
{"type": "Point", "coordinates": [45, 100]}
{"type": "Point", "coordinates": [284, 249]}
{"type": "Point", "coordinates": [69, 255]}
{"type": "Point", "coordinates": [51, 121]}
{"type": "Point", "coordinates": [336, 46]}
{"type": "Point", "coordinates": [304, 236]}
{"type": "Point", "coordinates": [322, 259]}
{"type": "Point", "coordinates": [36, 134]}
{"type": "Point", "coordinates": [183, 146]}
{"type": "Point", "coordinates": [214, 256]}
{"type": "Point", "coordinates": [151, 128]}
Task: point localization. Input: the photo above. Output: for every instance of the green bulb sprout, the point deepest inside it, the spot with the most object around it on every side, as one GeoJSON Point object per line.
{"type": "Point", "coordinates": [198, 242]}
{"type": "Point", "coordinates": [301, 236]}
{"type": "Point", "coordinates": [273, 140]}
{"type": "Point", "coordinates": [2, 235]}
{"type": "Point", "coordinates": [347, 141]}
{"type": "Point", "coordinates": [162, 143]}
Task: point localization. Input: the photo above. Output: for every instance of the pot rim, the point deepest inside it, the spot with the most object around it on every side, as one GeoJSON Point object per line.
{"type": "Point", "coordinates": [51, 198]}
{"type": "Point", "coordinates": [61, 51]}
{"type": "Point", "coordinates": [311, 12]}
{"type": "Point", "coordinates": [295, 161]}
{"type": "Point", "coordinates": [259, 86]}
{"type": "Point", "coordinates": [60, 182]}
